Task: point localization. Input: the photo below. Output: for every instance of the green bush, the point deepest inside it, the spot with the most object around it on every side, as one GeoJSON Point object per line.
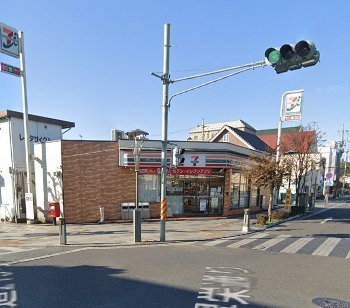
{"type": "Point", "coordinates": [261, 219]}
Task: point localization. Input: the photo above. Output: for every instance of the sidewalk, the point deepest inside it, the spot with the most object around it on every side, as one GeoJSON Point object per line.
{"type": "Point", "coordinates": [121, 233]}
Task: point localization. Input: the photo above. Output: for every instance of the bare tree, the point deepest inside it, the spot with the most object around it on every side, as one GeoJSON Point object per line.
{"type": "Point", "coordinates": [264, 171]}
{"type": "Point", "coordinates": [299, 150]}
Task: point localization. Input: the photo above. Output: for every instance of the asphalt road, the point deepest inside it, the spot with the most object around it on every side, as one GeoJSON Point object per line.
{"type": "Point", "coordinates": [260, 273]}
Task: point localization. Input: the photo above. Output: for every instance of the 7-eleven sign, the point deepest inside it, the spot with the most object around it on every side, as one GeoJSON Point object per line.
{"type": "Point", "coordinates": [9, 41]}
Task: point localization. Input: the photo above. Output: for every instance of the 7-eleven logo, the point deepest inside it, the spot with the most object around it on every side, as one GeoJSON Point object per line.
{"type": "Point", "coordinates": [194, 160]}
{"type": "Point", "coordinates": [9, 41]}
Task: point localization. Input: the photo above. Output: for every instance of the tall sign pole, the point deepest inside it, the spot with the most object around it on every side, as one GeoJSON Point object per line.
{"type": "Point", "coordinates": [165, 106]}
{"type": "Point", "coordinates": [25, 112]}
{"type": "Point", "coordinates": [298, 93]}
{"type": "Point", "coordinates": [12, 44]}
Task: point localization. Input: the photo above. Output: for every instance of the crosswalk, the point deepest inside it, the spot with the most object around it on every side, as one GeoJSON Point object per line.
{"type": "Point", "coordinates": [287, 243]}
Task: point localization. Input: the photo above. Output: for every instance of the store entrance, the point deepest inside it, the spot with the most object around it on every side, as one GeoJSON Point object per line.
{"type": "Point", "coordinates": [203, 197]}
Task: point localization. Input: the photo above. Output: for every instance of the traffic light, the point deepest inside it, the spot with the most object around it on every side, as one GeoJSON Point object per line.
{"type": "Point", "coordinates": [174, 156]}
{"type": "Point", "coordinates": [292, 56]}
{"type": "Point", "coordinates": [181, 156]}
{"type": "Point", "coordinates": [177, 156]}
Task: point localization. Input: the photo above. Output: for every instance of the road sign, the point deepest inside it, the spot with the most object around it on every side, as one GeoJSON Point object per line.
{"type": "Point", "coordinates": [9, 69]}
{"type": "Point", "coordinates": [9, 41]}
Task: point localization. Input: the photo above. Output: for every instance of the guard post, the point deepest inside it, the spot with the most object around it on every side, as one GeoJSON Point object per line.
{"type": "Point", "coordinates": [63, 231]}
{"type": "Point", "coordinates": [246, 221]}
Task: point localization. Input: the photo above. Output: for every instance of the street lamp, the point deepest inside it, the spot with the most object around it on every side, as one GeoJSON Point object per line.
{"type": "Point", "coordinates": [138, 136]}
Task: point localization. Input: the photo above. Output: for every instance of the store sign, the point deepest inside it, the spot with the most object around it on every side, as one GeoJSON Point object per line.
{"type": "Point", "coordinates": [292, 108]}
{"type": "Point", "coordinates": [178, 171]}
{"type": "Point", "coordinates": [9, 40]}
{"type": "Point", "coordinates": [190, 171]}
{"type": "Point", "coordinates": [194, 160]}
{"type": "Point", "coordinates": [9, 69]}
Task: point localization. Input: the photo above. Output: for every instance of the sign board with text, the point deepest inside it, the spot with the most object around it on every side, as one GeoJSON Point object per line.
{"type": "Point", "coordinates": [29, 206]}
{"type": "Point", "coordinates": [9, 69]}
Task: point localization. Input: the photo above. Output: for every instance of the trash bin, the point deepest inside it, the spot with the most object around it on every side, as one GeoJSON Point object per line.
{"type": "Point", "coordinates": [126, 210]}
{"type": "Point", "coordinates": [144, 206]}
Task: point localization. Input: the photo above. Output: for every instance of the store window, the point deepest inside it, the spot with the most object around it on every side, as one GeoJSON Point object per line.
{"type": "Point", "coordinates": [149, 188]}
{"type": "Point", "coordinates": [239, 191]}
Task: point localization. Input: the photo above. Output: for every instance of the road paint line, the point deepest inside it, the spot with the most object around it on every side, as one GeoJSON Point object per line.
{"type": "Point", "coordinates": [326, 247]}
{"type": "Point", "coordinates": [43, 257]}
{"type": "Point", "coordinates": [15, 250]}
{"type": "Point", "coordinates": [248, 240]}
{"type": "Point", "coordinates": [214, 243]}
{"type": "Point", "coordinates": [325, 220]}
{"type": "Point", "coordinates": [297, 245]}
{"type": "Point", "coordinates": [348, 256]}
{"type": "Point", "coordinates": [266, 245]}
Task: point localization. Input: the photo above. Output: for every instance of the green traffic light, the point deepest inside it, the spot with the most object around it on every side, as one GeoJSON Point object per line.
{"type": "Point", "coordinates": [273, 55]}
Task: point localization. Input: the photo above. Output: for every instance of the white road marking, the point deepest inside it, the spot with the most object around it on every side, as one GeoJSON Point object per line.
{"type": "Point", "coordinates": [9, 250]}
{"type": "Point", "coordinates": [297, 245]}
{"type": "Point", "coordinates": [248, 240]}
{"type": "Point", "coordinates": [326, 247]}
{"type": "Point", "coordinates": [272, 242]}
{"type": "Point", "coordinates": [327, 219]}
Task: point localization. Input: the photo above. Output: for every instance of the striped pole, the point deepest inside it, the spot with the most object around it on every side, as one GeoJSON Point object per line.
{"type": "Point", "coordinates": [163, 209]}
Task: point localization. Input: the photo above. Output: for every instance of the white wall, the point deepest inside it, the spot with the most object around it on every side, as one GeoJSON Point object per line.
{"type": "Point", "coordinates": [13, 129]}
{"type": "Point", "coordinates": [6, 195]}
{"type": "Point", "coordinates": [48, 176]}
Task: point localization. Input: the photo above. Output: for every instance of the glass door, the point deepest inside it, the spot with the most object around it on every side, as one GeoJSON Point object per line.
{"type": "Point", "coordinates": [190, 197]}
{"type": "Point", "coordinates": [216, 197]}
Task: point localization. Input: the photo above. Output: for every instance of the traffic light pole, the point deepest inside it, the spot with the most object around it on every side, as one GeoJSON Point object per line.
{"type": "Point", "coordinates": [165, 77]}
{"type": "Point", "coordinates": [165, 106]}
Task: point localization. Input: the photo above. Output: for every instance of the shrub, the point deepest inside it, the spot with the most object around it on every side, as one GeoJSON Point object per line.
{"type": "Point", "coordinates": [261, 219]}
{"type": "Point", "coordinates": [296, 210]}
{"type": "Point", "coordinates": [279, 215]}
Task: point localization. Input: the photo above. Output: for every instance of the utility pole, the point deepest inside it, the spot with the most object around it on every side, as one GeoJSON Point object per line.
{"type": "Point", "coordinates": [165, 106]}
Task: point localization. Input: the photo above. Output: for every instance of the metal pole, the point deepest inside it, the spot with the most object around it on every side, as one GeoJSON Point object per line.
{"type": "Point", "coordinates": [165, 79]}
{"type": "Point", "coordinates": [25, 111]}
{"type": "Point", "coordinates": [25, 117]}
{"type": "Point", "coordinates": [137, 211]}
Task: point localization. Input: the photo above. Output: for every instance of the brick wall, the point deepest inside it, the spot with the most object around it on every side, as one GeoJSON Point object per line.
{"type": "Point", "coordinates": [92, 178]}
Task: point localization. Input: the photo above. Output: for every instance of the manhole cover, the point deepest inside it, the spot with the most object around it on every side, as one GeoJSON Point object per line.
{"type": "Point", "coordinates": [330, 302]}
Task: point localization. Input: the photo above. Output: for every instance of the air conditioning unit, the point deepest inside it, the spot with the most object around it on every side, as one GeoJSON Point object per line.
{"type": "Point", "coordinates": [117, 135]}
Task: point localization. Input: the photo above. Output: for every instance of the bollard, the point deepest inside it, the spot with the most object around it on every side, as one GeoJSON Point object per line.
{"type": "Point", "coordinates": [246, 221]}
{"type": "Point", "coordinates": [63, 233]}
{"type": "Point", "coordinates": [137, 215]}
{"type": "Point", "coordinates": [102, 214]}
{"type": "Point", "coordinates": [325, 200]}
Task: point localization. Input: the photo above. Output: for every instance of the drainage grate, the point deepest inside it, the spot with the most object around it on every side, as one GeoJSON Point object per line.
{"type": "Point", "coordinates": [330, 302]}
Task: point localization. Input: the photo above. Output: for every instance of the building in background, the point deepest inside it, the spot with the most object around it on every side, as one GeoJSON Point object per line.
{"type": "Point", "coordinates": [12, 155]}
{"type": "Point", "coordinates": [206, 132]}
{"type": "Point", "coordinates": [332, 153]}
